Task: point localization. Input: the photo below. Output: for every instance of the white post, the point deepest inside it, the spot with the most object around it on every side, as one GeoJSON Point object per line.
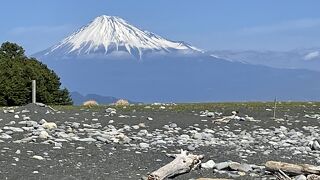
{"type": "Point", "coordinates": [33, 91]}
{"type": "Point", "coordinates": [275, 107]}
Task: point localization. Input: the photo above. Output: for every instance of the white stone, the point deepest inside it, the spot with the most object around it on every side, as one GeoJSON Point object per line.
{"type": "Point", "coordinates": [42, 121]}
{"type": "Point", "coordinates": [37, 157]}
{"type": "Point", "coordinates": [43, 135]}
{"type": "Point", "coordinates": [208, 165]}
{"type": "Point", "coordinates": [144, 145]}
{"type": "Point", "coordinates": [49, 125]}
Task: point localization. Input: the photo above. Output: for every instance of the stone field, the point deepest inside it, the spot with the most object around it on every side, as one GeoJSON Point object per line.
{"type": "Point", "coordinates": [130, 142]}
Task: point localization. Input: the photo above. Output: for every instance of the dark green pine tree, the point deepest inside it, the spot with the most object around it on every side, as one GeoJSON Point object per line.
{"type": "Point", "coordinates": [16, 73]}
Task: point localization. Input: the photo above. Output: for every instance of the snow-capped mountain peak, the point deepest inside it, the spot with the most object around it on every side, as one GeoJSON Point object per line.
{"type": "Point", "coordinates": [108, 34]}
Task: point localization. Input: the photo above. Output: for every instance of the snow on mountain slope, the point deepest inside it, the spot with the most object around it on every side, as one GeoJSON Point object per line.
{"type": "Point", "coordinates": [108, 34]}
{"type": "Point", "coordinates": [312, 55]}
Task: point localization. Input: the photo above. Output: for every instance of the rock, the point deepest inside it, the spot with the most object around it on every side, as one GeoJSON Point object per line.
{"type": "Point", "coordinates": [28, 123]}
{"type": "Point", "coordinates": [300, 177]}
{"type": "Point", "coordinates": [142, 125]}
{"type": "Point", "coordinates": [144, 145]}
{"type": "Point", "coordinates": [49, 125]}
{"type": "Point", "coordinates": [150, 118]}
{"type": "Point", "coordinates": [173, 125]}
{"type": "Point", "coordinates": [57, 145]}
{"type": "Point", "coordinates": [135, 126]}
{"type": "Point", "coordinates": [222, 165]}
{"type": "Point", "coordinates": [42, 121]}
{"type": "Point", "coordinates": [75, 125]}
{"type": "Point", "coordinates": [16, 116]}
{"type": "Point", "coordinates": [41, 104]}
{"type": "Point", "coordinates": [240, 167]}
{"type": "Point", "coordinates": [14, 129]}
{"type": "Point", "coordinates": [208, 165]}
{"type": "Point", "coordinates": [314, 145]}
{"type": "Point", "coordinates": [26, 118]}
{"type": "Point", "coordinates": [37, 157]}
{"type": "Point", "coordinates": [185, 136]}
{"type": "Point", "coordinates": [111, 111]}
{"type": "Point", "coordinates": [5, 136]}
{"type": "Point", "coordinates": [111, 121]}
{"type": "Point", "coordinates": [191, 147]}
{"type": "Point", "coordinates": [102, 139]}
{"type": "Point", "coordinates": [43, 135]}
{"type": "Point", "coordinates": [11, 123]}
{"type": "Point", "coordinates": [210, 114]}
{"type": "Point", "coordinates": [87, 139]}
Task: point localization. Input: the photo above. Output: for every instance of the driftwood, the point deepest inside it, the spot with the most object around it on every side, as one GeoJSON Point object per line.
{"type": "Point", "coordinates": [292, 169]}
{"type": "Point", "coordinates": [313, 177]}
{"type": "Point", "coordinates": [212, 179]}
{"type": "Point", "coordinates": [182, 163]}
{"type": "Point", "coordinates": [282, 176]}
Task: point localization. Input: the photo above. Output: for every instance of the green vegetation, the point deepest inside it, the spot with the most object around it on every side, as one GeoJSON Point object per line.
{"type": "Point", "coordinates": [281, 106]}
{"type": "Point", "coordinates": [16, 73]}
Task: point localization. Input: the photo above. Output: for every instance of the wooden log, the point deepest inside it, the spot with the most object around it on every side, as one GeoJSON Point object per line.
{"type": "Point", "coordinates": [292, 169]}
{"type": "Point", "coordinates": [182, 163]}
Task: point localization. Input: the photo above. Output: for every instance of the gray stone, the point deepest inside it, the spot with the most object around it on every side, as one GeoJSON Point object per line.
{"type": "Point", "coordinates": [191, 147]}
{"type": "Point", "coordinates": [240, 167]}
{"type": "Point", "coordinates": [5, 136]}
{"type": "Point", "coordinates": [14, 129]}
{"type": "Point", "coordinates": [102, 139]}
{"type": "Point", "coordinates": [28, 123]}
{"type": "Point", "coordinates": [222, 165]}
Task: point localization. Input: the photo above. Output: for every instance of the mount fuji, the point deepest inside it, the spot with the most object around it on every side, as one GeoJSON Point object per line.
{"type": "Point", "coordinates": [111, 57]}
{"type": "Point", "coordinates": [109, 35]}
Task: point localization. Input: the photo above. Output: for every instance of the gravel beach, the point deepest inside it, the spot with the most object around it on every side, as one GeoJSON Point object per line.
{"type": "Point", "coordinates": [108, 142]}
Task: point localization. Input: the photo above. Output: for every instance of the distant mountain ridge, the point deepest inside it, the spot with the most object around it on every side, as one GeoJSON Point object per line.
{"type": "Point", "coordinates": [294, 59]}
{"type": "Point", "coordinates": [79, 99]}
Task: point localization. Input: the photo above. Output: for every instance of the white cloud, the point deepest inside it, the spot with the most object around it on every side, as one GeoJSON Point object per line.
{"type": "Point", "coordinates": [283, 26]}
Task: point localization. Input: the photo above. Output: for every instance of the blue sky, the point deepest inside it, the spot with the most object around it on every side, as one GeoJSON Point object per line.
{"type": "Point", "coordinates": [207, 24]}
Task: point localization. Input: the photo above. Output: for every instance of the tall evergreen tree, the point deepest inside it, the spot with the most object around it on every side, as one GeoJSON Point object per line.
{"type": "Point", "coordinates": [16, 74]}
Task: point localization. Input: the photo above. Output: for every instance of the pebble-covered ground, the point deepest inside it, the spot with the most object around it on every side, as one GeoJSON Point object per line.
{"type": "Point", "coordinates": [236, 139]}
